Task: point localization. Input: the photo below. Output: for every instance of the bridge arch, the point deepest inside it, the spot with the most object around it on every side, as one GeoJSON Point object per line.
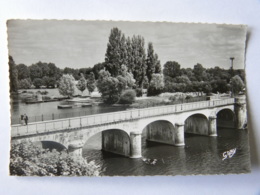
{"type": "Point", "coordinates": [225, 118]}
{"type": "Point", "coordinates": [115, 141]}
{"type": "Point", "coordinates": [197, 124]}
{"type": "Point", "coordinates": [161, 131]}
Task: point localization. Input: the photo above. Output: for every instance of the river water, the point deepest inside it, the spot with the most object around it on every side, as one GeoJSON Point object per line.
{"type": "Point", "coordinates": [200, 155]}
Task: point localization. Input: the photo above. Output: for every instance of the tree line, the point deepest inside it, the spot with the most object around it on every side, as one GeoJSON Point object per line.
{"type": "Point", "coordinates": [128, 65]}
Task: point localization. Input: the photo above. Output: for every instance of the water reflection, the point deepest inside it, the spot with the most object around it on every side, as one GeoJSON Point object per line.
{"type": "Point", "coordinates": [200, 155]}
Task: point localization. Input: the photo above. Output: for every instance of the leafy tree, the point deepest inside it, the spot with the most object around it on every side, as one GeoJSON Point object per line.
{"type": "Point", "coordinates": [237, 85]}
{"type": "Point", "coordinates": [54, 72]}
{"type": "Point", "coordinates": [73, 72]}
{"type": "Point", "coordinates": [108, 87]}
{"type": "Point", "coordinates": [138, 60]}
{"type": "Point", "coordinates": [26, 159]}
{"type": "Point", "coordinates": [67, 85]}
{"type": "Point", "coordinates": [158, 68]}
{"type": "Point", "coordinates": [91, 83]}
{"type": "Point", "coordinates": [130, 81]}
{"type": "Point", "coordinates": [23, 71]}
{"type": "Point", "coordinates": [96, 68]}
{"type": "Point", "coordinates": [198, 71]}
{"type": "Point", "coordinates": [116, 52]}
{"type": "Point", "coordinates": [172, 69]}
{"type": "Point", "coordinates": [25, 83]}
{"type": "Point", "coordinates": [49, 81]}
{"type": "Point", "coordinates": [150, 62]}
{"type": "Point", "coordinates": [127, 97]}
{"type": "Point", "coordinates": [82, 83]}
{"type": "Point", "coordinates": [37, 82]}
{"type": "Point", "coordinates": [156, 85]}
{"type": "Point", "coordinates": [35, 71]}
{"type": "Point", "coordinates": [13, 75]}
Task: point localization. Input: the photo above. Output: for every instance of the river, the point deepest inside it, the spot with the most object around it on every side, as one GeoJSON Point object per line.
{"type": "Point", "coordinates": [200, 155]}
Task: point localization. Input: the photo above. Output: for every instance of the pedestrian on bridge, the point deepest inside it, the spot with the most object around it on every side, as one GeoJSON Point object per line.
{"type": "Point", "coordinates": [22, 119]}
{"type": "Point", "coordinates": [25, 119]}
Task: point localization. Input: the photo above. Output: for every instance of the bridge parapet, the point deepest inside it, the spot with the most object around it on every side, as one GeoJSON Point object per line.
{"type": "Point", "coordinates": [113, 117]}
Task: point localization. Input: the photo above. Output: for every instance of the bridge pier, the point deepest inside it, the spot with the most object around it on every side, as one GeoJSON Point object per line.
{"type": "Point", "coordinates": [179, 138]}
{"type": "Point", "coordinates": [136, 144]}
{"type": "Point", "coordinates": [240, 112]}
{"type": "Point", "coordinates": [212, 126]}
{"type": "Point", "coordinates": [75, 148]}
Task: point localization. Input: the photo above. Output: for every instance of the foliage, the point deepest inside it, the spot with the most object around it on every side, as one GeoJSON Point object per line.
{"type": "Point", "coordinates": [28, 160]}
{"type": "Point", "coordinates": [25, 83]}
{"type": "Point", "coordinates": [82, 84]}
{"type": "Point", "coordinates": [91, 82]}
{"type": "Point", "coordinates": [66, 85]}
{"type": "Point", "coordinates": [23, 71]}
{"type": "Point", "coordinates": [49, 81]}
{"type": "Point", "coordinates": [127, 97]}
{"type": "Point", "coordinates": [13, 75]}
{"type": "Point", "coordinates": [138, 60]}
{"type": "Point", "coordinates": [237, 84]}
{"type": "Point", "coordinates": [37, 82]}
{"type": "Point", "coordinates": [108, 87]}
{"type": "Point", "coordinates": [156, 85]}
{"type": "Point", "coordinates": [116, 52]}
{"type": "Point", "coordinates": [150, 62]}
{"type": "Point", "coordinates": [139, 92]}
{"type": "Point", "coordinates": [171, 70]}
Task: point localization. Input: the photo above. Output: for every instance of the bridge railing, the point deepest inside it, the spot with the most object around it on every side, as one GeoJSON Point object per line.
{"type": "Point", "coordinates": [99, 119]}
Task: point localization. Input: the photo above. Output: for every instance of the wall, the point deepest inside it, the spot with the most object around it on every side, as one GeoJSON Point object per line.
{"type": "Point", "coordinates": [196, 124]}
{"type": "Point", "coordinates": [116, 141]}
{"type": "Point", "coordinates": [161, 131]}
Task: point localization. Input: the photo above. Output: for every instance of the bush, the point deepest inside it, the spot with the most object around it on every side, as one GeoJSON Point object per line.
{"type": "Point", "coordinates": [127, 97]}
{"type": "Point", "coordinates": [139, 92]}
{"type": "Point", "coordinates": [28, 160]}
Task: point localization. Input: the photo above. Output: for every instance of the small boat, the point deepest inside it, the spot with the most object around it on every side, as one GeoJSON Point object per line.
{"type": "Point", "coordinates": [64, 106]}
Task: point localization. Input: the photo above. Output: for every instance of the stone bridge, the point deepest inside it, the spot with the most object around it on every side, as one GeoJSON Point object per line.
{"type": "Point", "coordinates": [122, 131]}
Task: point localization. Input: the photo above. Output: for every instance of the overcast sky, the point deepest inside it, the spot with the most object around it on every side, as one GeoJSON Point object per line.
{"type": "Point", "coordinates": [81, 44]}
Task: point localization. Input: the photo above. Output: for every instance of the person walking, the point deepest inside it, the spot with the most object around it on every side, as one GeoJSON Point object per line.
{"type": "Point", "coordinates": [22, 120]}
{"type": "Point", "coordinates": [25, 119]}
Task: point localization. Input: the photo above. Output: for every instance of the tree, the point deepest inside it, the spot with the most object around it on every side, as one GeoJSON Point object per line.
{"type": "Point", "coordinates": [13, 75]}
{"type": "Point", "coordinates": [91, 82]}
{"type": "Point", "coordinates": [37, 82]}
{"type": "Point", "coordinates": [171, 69]}
{"type": "Point", "coordinates": [127, 97]}
{"type": "Point", "coordinates": [82, 83]}
{"type": "Point", "coordinates": [158, 68]}
{"type": "Point", "coordinates": [116, 52]}
{"type": "Point", "coordinates": [25, 83]}
{"type": "Point", "coordinates": [108, 87]}
{"type": "Point", "coordinates": [156, 85]}
{"type": "Point", "coordinates": [23, 71]}
{"type": "Point", "coordinates": [96, 68]}
{"type": "Point", "coordinates": [138, 60]}
{"type": "Point", "coordinates": [150, 62]}
{"type": "Point", "coordinates": [198, 71]}
{"type": "Point", "coordinates": [26, 159]}
{"type": "Point", "coordinates": [35, 71]}
{"type": "Point", "coordinates": [128, 76]}
{"type": "Point", "coordinates": [67, 85]}
{"type": "Point", "coordinates": [237, 85]}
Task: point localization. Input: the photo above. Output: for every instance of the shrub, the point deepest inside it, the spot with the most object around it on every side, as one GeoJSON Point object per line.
{"type": "Point", "coordinates": [127, 97]}
{"type": "Point", "coordinates": [28, 160]}
{"type": "Point", "coordinates": [139, 92]}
